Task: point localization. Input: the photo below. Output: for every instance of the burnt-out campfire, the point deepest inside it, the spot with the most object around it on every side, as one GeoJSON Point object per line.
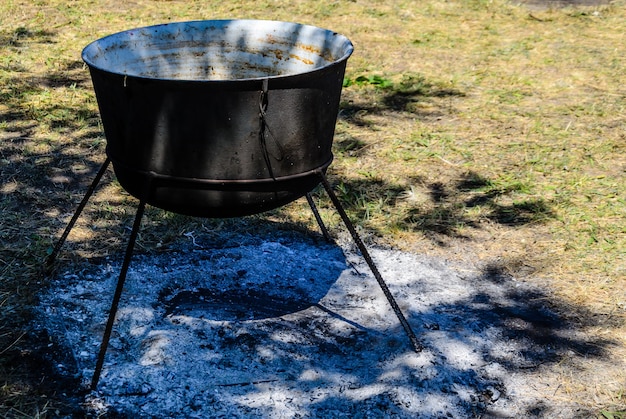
{"type": "Point", "coordinates": [219, 118]}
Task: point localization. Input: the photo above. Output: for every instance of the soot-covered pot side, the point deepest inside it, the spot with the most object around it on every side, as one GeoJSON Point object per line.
{"type": "Point", "coordinates": [220, 146]}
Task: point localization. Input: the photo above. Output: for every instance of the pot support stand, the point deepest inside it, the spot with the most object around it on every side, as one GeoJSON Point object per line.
{"type": "Point", "coordinates": [417, 347]}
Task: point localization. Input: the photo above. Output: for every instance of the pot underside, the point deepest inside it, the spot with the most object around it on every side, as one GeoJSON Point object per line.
{"type": "Point", "coordinates": [219, 118]}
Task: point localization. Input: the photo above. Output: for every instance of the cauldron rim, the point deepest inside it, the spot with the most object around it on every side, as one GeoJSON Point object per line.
{"type": "Point", "coordinates": [348, 50]}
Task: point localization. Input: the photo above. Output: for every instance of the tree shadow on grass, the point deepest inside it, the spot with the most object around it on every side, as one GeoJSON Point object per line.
{"type": "Point", "coordinates": [442, 209]}
{"type": "Point", "coordinates": [21, 36]}
{"type": "Point", "coordinates": [400, 97]}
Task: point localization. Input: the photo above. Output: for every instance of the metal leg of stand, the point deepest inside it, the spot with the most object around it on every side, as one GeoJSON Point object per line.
{"type": "Point", "coordinates": [117, 295]}
{"type": "Point", "coordinates": [318, 218]}
{"type": "Point", "coordinates": [359, 243]}
{"type": "Point", "coordinates": [57, 248]}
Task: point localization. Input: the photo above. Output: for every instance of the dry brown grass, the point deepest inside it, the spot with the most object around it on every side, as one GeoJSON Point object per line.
{"type": "Point", "coordinates": [497, 138]}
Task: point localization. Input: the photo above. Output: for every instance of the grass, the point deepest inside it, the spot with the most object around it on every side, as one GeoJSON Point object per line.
{"type": "Point", "coordinates": [470, 129]}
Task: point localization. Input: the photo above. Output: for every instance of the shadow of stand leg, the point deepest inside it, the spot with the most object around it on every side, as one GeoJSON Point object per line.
{"type": "Point", "coordinates": [57, 248]}
{"type": "Point", "coordinates": [417, 347]}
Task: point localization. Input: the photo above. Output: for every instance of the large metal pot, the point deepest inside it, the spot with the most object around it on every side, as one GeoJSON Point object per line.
{"type": "Point", "coordinates": [219, 118]}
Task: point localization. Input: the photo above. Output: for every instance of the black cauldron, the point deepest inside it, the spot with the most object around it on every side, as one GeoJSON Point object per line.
{"type": "Point", "coordinates": [219, 118]}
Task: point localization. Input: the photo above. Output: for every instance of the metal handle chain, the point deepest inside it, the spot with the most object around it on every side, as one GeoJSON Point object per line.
{"type": "Point", "coordinates": [263, 102]}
